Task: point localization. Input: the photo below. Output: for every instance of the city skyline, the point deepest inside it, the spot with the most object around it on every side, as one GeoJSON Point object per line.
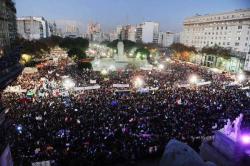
{"type": "Point", "coordinates": [81, 12]}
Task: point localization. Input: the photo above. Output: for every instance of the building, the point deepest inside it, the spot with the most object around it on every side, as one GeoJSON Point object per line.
{"type": "Point", "coordinates": [53, 29]}
{"type": "Point", "coordinates": [33, 28]}
{"type": "Point", "coordinates": [72, 31]}
{"type": "Point", "coordinates": [147, 32]}
{"type": "Point", "coordinates": [8, 29]}
{"type": "Point", "coordinates": [177, 38]}
{"type": "Point", "coordinates": [126, 32]}
{"type": "Point", "coordinates": [166, 39]}
{"type": "Point", "coordinates": [229, 29]}
{"type": "Point", "coordinates": [94, 32]}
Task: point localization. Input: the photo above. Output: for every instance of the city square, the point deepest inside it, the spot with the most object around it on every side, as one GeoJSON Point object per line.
{"type": "Point", "coordinates": [134, 95]}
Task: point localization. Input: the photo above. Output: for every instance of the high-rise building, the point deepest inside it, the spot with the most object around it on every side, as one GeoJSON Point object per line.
{"type": "Point", "coordinates": [147, 32]}
{"type": "Point", "coordinates": [126, 32]}
{"type": "Point", "coordinates": [8, 28]}
{"type": "Point", "coordinates": [53, 29]}
{"type": "Point", "coordinates": [72, 31]}
{"type": "Point", "coordinates": [166, 39]}
{"type": "Point", "coordinates": [33, 28]}
{"type": "Point", "coordinates": [229, 29]}
{"type": "Point", "coordinates": [94, 32]}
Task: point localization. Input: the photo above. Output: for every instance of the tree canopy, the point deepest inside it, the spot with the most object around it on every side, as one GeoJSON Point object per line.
{"type": "Point", "coordinates": [218, 51]}
{"type": "Point", "coordinates": [128, 45]}
{"type": "Point", "coordinates": [178, 47]}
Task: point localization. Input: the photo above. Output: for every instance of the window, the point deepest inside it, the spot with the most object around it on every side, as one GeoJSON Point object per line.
{"type": "Point", "coordinates": [221, 27]}
{"type": "Point", "coordinates": [228, 43]}
{"type": "Point", "coordinates": [240, 27]}
{"type": "Point", "coordinates": [238, 38]}
{"type": "Point", "coordinates": [237, 44]}
{"type": "Point", "coordinates": [225, 27]}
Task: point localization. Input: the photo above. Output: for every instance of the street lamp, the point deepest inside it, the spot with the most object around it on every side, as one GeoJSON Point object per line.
{"type": "Point", "coordinates": [193, 79]}
{"type": "Point", "coordinates": [138, 83]}
{"type": "Point", "coordinates": [240, 77]}
{"type": "Point", "coordinates": [68, 83]}
{"type": "Point", "coordinates": [161, 66]}
{"type": "Point", "coordinates": [104, 72]}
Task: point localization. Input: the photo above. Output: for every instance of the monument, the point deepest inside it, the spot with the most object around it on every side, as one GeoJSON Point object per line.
{"type": "Point", "coordinates": [227, 147]}
{"type": "Point", "coordinates": [119, 62]}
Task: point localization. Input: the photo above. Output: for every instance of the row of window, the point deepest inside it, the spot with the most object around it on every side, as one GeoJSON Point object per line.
{"type": "Point", "coordinates": [239, 27]}
{"type": "Point", "coordinates": [219, 43]}
{"type": "Point", "coordinates": [218, 17]}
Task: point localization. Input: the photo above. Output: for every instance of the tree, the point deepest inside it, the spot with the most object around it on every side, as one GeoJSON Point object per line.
{"type": "Point", "coordinates": [76, 54]}
{"type": "Point", "coordinates": [84, 65]}
{"type": "Point", "coordinates": [128, 45]}
{"type": "Point", "coordinates": [182, 51]}
{"type": "Point", "coordinates": [142, 53]}
{"type": "Point", "coordinates": [218, 51]}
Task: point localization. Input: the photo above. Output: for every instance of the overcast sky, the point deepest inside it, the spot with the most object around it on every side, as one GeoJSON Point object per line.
{"type": "Point", "coordinates": [110, 13]}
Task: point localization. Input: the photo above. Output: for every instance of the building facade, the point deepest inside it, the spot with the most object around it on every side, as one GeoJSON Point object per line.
{"type": "Point", "coordinates": [147, 32]}
{"type": "Point", "coordinates": [166, 39]}
{"type": "Point", "coordinates": [8, 28]}
{"type": "Point", "coordinates": [33, 28]}
{"type": "Point", "coordinates": [230, 30]}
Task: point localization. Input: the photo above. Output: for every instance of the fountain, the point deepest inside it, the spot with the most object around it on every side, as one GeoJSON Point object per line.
{"type": "Point", "coordinates": [229, 147]}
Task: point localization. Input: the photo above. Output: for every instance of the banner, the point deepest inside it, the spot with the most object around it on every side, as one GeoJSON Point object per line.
{"type": "Point", "coordinates": [183, 85]}
{"type": "Point", "coordinates": [15, 89]}
{"type": "Point", "coordinates": [203, 83]}
{"type": "Point", "coordinates": [30, 70]}
{"type": "Point", "coordinates": [87, 88]}
{"type": "Point", "coordinates": [120, 85]}
{"type": "Point", "coordinates": [92, 81]}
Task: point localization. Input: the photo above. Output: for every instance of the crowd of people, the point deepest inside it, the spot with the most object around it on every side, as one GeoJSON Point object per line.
{"type": "Point", "coordinates": [116, 125]}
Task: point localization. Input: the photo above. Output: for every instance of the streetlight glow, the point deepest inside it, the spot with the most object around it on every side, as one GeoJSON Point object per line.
{"type": "Point", "coordinates": [104, 72]}
{"type": "Point", "coordinates": [240, 77]}
{"type": "Point", "coordinates": [193, 79]}
{"type": "Point", "coordinates": [138, 82]}
{"type": "Point", "coordinates": [68, 83]}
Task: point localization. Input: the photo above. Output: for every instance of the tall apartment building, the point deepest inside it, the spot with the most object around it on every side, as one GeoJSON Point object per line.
{"type": "Point", "coordinates": [33, 28]}
{"type": "Point", "coordinates": [72, 31]}
{"type": "Point", "coordinates": [126, 32]}
{"type": "Point", "coordinates": [147, 32]}
{"type": "Point", "coordinates": [166, 39]}
{"type": "Point", "coordinates": [8, 28]}
{"type": "Point", "coordinates": [229, 29]}
{"type": "Point", "coordinates": [94, 32]}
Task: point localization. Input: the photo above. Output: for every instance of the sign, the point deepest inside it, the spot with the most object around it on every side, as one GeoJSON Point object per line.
{"type": "Point", "coordinates": [120, 85]}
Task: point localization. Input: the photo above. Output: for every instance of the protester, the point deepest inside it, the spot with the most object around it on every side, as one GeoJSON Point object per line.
{"type": "Point", "coordinates": [111, 125]}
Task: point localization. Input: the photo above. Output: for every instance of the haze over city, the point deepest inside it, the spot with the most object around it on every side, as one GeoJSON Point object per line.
{"type": "Point", "coordinates": [110, 13]}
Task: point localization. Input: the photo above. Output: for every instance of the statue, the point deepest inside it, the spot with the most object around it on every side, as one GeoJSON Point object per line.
{"type": "Point", "coordinates": [237, 124]}
{"type": "Point", "coordinates": [228, 128]}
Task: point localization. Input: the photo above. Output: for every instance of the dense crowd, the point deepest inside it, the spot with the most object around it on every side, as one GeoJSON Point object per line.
{"type": "Point", "coordinates": [116, 125]}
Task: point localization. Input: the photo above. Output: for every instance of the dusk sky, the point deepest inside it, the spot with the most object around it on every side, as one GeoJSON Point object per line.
{"type": "Point", "coordinates": [110, 13]}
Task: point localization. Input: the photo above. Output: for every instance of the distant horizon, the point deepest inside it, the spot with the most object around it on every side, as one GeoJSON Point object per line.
{"type": "Point", "coordinates": [81, 12]}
